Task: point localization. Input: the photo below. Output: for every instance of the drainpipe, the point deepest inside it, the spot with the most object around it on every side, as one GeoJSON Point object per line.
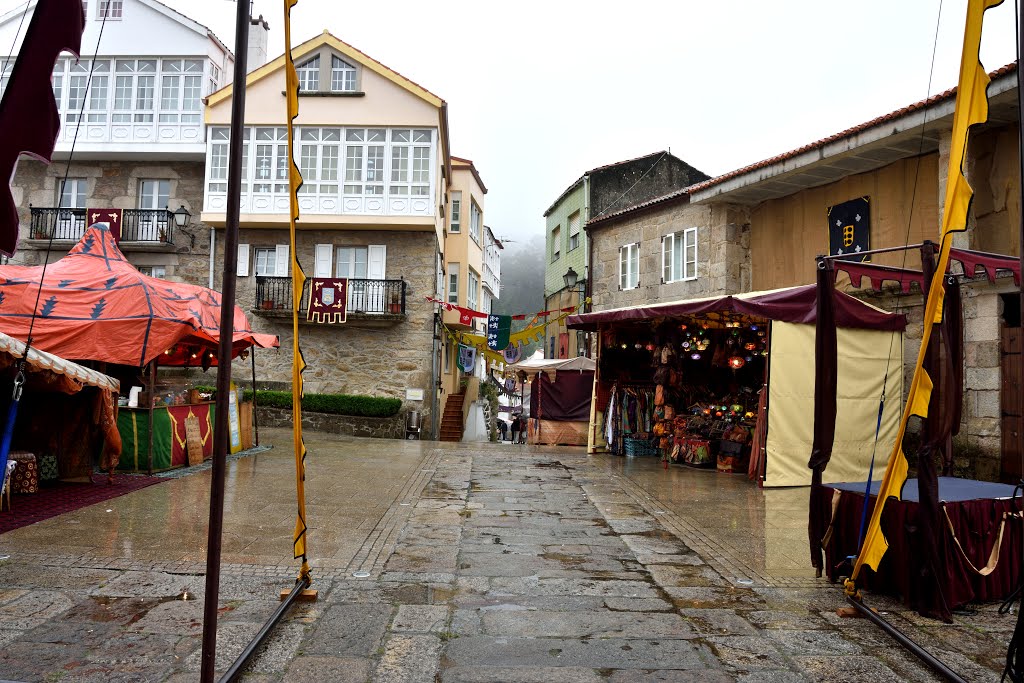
{"type": "Point", "coordinates": [213, 247]}
{"type": "Point", "coordinates": [435, 380]}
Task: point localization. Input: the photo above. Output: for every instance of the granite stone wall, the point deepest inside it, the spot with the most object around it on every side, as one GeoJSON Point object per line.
{"type": "Point", "coordinates": [377, 427]}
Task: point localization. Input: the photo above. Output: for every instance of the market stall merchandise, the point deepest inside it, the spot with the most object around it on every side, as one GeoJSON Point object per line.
{"type": "Point", "coordinates": [728, 382]}
{"type": "Point", "coordinates": [559, 399]}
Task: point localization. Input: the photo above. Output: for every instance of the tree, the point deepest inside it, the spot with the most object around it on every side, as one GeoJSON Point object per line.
{"type": "Point", "coordinates": [522, 283]}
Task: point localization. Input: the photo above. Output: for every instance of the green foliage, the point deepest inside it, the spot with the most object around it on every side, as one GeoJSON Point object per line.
{"type": "Point", "coordinates": [334, 404]}
{"type": "Point", "coordinates": [489, 393]}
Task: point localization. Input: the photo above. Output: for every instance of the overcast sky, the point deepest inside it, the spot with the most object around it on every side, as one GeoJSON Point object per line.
{"type": "Point", "coordinates": [539, 92]}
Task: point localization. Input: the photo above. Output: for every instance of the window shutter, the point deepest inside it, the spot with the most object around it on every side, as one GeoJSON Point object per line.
{"type": "Point", "coordinates": [242, 269]}
{"type": "Point", "coordinates": [620, 268]}
{"type": "Point", "coordinates": [322, 260]}
{"type": "Point", "coordinates": [666, 259]}
{"type": "Point", "coordinates": [281, 269]}
{"type": "Point", "coordinates": [376, 256]}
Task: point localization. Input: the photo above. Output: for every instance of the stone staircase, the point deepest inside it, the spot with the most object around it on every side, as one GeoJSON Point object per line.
{"type": "Point", "coordinates": [451, 422]}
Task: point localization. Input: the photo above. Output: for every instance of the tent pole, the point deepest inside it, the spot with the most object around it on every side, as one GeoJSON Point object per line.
{"type": "Point", "coordinates": [224, 348]}
{"type": "Point", "coordinates": [152, 400]}
{"type": "Point", "coordinates": [255, 420]}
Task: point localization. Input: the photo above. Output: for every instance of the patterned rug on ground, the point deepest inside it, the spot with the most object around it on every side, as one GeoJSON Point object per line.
{"type": "Point", "coordinates": [59, 497]}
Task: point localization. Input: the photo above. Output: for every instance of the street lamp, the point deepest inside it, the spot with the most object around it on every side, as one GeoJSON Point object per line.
{"type": "Point", "coordinates": [571, 278]}
{"type": "Point", "coordinates": [182, 216]}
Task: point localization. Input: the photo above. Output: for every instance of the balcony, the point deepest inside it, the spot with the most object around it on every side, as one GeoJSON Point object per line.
{"type": "Point", "coordinates": [368, 300]}
{"type": "Point", "coordinates": [143, 226]}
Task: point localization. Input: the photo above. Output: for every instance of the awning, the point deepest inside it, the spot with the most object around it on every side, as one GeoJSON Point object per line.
{"type": "Point", "coordinates": [551, 365]}
{"type": "Point", "coordinates": [41, 360]}
{"type": "Point", "coordinates": [791, 305]}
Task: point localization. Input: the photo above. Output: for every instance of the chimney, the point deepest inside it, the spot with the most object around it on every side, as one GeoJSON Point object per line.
{"type": "Point", "coordinates": [257, 55]}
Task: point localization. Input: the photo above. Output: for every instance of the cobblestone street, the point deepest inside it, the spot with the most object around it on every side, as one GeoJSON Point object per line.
{"type": "Point", "coordinates": [487, 563]}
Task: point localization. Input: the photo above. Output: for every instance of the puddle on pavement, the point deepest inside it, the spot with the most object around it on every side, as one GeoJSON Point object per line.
{"type": "Point", "coordinates": [139, 606]}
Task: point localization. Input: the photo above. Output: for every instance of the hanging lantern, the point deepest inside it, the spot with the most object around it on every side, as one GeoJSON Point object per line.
{"type": "Point", "coordinates": [686, 344]}
{"type": "Point", "coordinates": [649, 347]}
{"type": "Point", "coordinates": [682, 327]}
{"type": "Point", "coordinates": [753, 328]}
{"type": "Point", "coordinates": [718, 413]}
{"type": "Point", "coordinates": [760, 333]}
{"type": "Point", "coordinates": [707, 411]}
{"type": "Point", "coordinates": [624, 346]}
{"type": "Point", "coordinates": [695, 356]}
{"type": "Point", "coordinates": [765, 352]}
{"type": "Point", "coordinates": [749, 415]}
{"type": "Point", "coordinates": [638, 346]}
{"type": "Point", "coordinates": [736, 408]}
{"type": "Point", "coordinates": [748, 358]}
{"type": "Point", "coordinates": [730, 341]}
{"type": "Point", "coordinates": [750, 346]}
{"type": "Point", "coordinates": [736, 362]}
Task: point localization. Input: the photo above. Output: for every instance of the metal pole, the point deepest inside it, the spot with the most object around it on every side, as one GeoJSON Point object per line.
{"type": "Point", "coordinates": [1020, 187]}
{"type": "Point", "coordinates": [886, 250]}
{"type": "Point", "coordinates": [227, 311]}
{"type": "Point", "coordinates": [255, 420]}
{"type": "Point", "coordinates": [152, 400]}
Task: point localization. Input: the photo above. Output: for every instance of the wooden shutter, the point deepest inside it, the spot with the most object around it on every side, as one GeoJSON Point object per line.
{"type": "Point", "coordinates": [281, 268]}
{"type": "Point", "coordinates": [243, 261]}
{"type": "Point", "coordinates": [324, 256]}
{"type": "Point", "coordinates": [376, 258]}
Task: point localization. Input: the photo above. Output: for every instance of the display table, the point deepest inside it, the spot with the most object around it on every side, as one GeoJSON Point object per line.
{"type": "Point", "coordinates": [170, 448]}
{"type": "Point", "coordinates": [976, 511]}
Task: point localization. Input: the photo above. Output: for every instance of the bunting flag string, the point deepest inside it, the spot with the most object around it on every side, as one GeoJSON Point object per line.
{"type": "Point", "coordinates": [298, 281]}
{"type": "Point", "coordinates": [466, 315]}
{"type": "Point", "coordinates": [480, 342]}
{"type": "Point", "coordinates": [971, 108]}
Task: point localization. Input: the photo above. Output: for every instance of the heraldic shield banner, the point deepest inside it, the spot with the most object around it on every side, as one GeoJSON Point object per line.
{"type": "Point", "coordinates": [849, 229]}
{"type": "Point", "coordinates": [328, 297]}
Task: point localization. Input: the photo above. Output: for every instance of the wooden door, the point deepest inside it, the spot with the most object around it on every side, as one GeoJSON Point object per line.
{"type": "Point", "coordinates": [1010, 405]}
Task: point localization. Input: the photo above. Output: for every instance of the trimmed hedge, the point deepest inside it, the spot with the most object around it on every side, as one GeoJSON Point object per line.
{"type": "Point", "coordinates": [334, 404]}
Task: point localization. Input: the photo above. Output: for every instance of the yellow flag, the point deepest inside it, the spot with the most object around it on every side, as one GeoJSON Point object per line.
{"type": "Point", "coordinates": [971, 109]}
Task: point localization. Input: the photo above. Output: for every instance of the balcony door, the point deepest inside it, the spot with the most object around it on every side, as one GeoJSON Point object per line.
{"type": "Point", "coordinates": [70, 224]}
{"type": "Point", "coordinates": [351, 263]}
{"type": "Point", "coordinates": [154, 196]}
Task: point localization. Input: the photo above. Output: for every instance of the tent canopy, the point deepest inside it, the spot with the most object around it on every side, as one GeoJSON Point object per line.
{"type": "Point", "coordinates": [76, 375]}
{"type": "Point", "coordinates": [550, 365]}
{"type": "Point", "coordinates": [94, 305]}
{"type": "Point", "coordinates": [791, 305]}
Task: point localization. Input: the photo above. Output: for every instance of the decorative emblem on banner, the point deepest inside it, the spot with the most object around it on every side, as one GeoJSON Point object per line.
{"type": "Point", "coordinates": [499, 327]}
{"type": "Point", "coordinates": [112, 217]}
{"type": "Point", "coordinates": [467, 358]}
{"type": "Point", "coordinates": [327, 300]}
{"type": "Point", "coordinates": [513, 354]}
{"type": "Point", "coordinates": [849, 229]}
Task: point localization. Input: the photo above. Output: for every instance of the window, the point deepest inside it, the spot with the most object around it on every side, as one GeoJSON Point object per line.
{"type": "Point", "coordinates": [410, 162]}
{"type": "Point", "coordinates": [364, 161]}
{"type": "Point", "coordinates": [134, 82]}
{"type": "Point", "coordinates": [556, 243]}
{"type": "Point", "coordinates": [153, 271]}
{"type": "Point", "coordinates": [180, 90]}
{"type": "Point", "coordinates": [475, 221]}
{"type": "Point", "coordinates": [472, 287]}
{"type": "Point", "coordinates": [456, 221]}
{"type": "Point", "coordinates": [271, 173]}
{"type": "Point", "coordinates": [154, 194]}
{"type": "Point", "coordinates": [309, 75]}
{"type": "Point", "coordinates": [343, 75]}
{"type": "Point", "coordinates": [679, 255]}
{"type": "Point", "coordinates": [351, 263]}
{"type": "Point", "coordinates": [265, 263]}
{"type": "Point", "coordinates": [453, 283]}
{"type": "Point", "coordinates": [72, 194]}
{"type": "Point", "coordinates": [574, 231]}
{"type": "Point", "coordinates": [110, 9]}
{"type": "Point", "coordinates": [98, 92]}
{"type": "Point", "coordinates": [318, 160]}
{"type": "Point", "coordinates": [629, 266]}
{"type": "Point", "coordinates": [57, 80]}
{"type": "Point", "coordinates": [214, 81]}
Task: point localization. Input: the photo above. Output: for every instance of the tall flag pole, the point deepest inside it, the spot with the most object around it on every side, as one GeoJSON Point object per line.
{"type": "Point", "coordinates": [224, 349]}
{"type": "Point", "coordinates": [971, 109]}
{"type": "Point", "coordinates": [298, 280]}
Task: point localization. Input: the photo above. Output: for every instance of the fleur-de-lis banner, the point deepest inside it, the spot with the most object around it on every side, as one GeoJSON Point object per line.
{"type": "Point", "coordinates": [328, 299]}
{"type": "Point", "coordinates": [498, 329]}
{"type": "Point", "coordinates": [849, 229]}
{"type": "Point", "coordinates": [29, 121]}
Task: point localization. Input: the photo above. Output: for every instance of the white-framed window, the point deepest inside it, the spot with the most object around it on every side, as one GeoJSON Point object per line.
{"type": "Point", "coordinates": [629, 266]}
{"type": "Point", "coordinates": [309, 74]}
{"type": "Point", "coordinates": [364, 161]}
{"type": "Point", "coordinates": [351, 262]}
{"type": "Point", "coordinates": [456, 218]}
{"type": "Point", "coordinates": [57, 80]}
{"type": "Point", "coordinates": [574, 231]}
{"type": "Point", "coordinates": [476, 221]}
{"type": "Point", "coordinates": [453, 283]}
{"type": "Point", "coordinates": [98, 92]}
{"type": "Point", "coordinates": [410, 161]}
{"type": "Point", "coordinates": [271, 261]}
{"type": "Point", "coordinates": [77, 79]}
{"type": "Point", "coordinates": [154, 194]}
{"type": "Point", "coordinates": [271, 171]}
{"type": "Point", "coordinates": [214, 82]}
{"type": "Point", "coordinates": [111, 9]}
{"type": "Point", "coordinates": [679, 255]}
{"type": "Point", "coordinates": [343, 75]}
{"type": "Point", "coordinates": [556, 243]}
{"type": "Point", "coordinates": [153, 271]}
{"type": "Point", "coordinates": [472, 289]}
{"type": "Point", "coordinates": [134, 90]}
{"type": "Point", "coordinates": [180, 90]}
{"type": "Point", "coordinates": [71, 193]}
{"type": "Point", "coordinates": [319, 150]}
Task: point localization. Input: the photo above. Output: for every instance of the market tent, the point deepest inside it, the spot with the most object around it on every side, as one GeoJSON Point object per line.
{"type": "Point", "coordinates": [94, 305]}
{"type": "Point", "coordinates": [73, 377]}
{"type": "Point", "coordinates": [560, 398]}
{"type": "Point", "coordinates": [870, 347]}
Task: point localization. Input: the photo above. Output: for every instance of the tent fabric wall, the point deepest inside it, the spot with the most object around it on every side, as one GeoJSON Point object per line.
{"type": "Point", "coordinates": [566, 399]}
{"type": "Point", "coordinates": [864, 358]}
{"type": "Point", "coordinates": [552, 432]}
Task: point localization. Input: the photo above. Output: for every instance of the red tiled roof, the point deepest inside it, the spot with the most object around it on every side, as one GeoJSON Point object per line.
{"type": "Point", "coordinates": [892, 116]}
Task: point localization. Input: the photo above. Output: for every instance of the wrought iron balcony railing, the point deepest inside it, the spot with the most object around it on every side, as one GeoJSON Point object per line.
{"type": "Point", "coordinates": [138, 225]}
{"type": "Point", "coordinates": [370, 297]}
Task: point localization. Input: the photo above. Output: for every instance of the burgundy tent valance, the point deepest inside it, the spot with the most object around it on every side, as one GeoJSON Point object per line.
{"type": "Point", "coordinates": [791, 305]}
{"type": "Point", "coordinates": [970, 261]}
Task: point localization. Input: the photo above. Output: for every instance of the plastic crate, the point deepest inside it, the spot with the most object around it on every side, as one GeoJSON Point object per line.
{"type": "Point", "coordinates": [637, 447]}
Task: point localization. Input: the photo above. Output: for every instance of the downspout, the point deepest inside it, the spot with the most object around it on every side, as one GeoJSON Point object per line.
{"type": "Point", "coordinates": [435, 380]}
{"type": "Point", "coordinates": [213, 247]}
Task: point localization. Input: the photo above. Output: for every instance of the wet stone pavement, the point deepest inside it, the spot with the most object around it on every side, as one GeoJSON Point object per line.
{"type": "Point", "coordinates": [490, 564]}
